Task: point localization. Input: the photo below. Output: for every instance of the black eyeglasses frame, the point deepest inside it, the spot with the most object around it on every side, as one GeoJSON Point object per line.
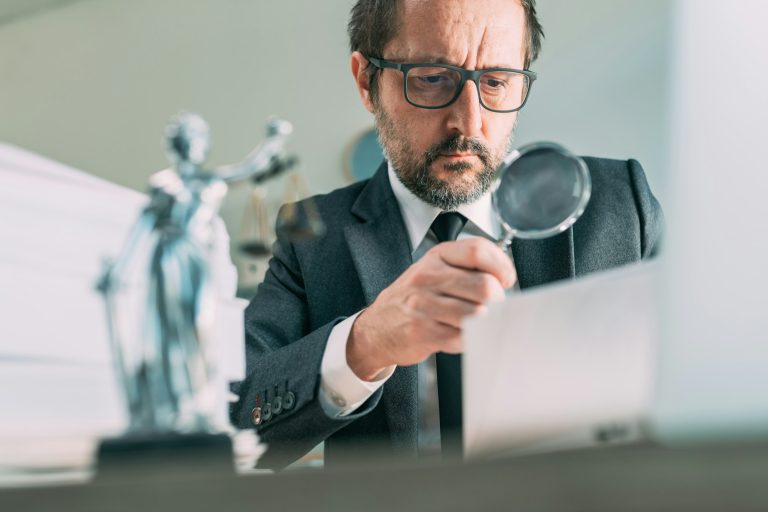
{"type": "Point", "coordinates": [472, 75]}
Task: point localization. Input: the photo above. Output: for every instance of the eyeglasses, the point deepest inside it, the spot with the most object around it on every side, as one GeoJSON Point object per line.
{"type": "Point", "coordinates": [438, 85]}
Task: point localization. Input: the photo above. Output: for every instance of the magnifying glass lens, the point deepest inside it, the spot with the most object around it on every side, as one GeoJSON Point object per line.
{"type": "Point", "coordinates": [542, 192]}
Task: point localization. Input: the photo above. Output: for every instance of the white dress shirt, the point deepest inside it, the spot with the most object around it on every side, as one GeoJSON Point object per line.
{"type": "Point", "coordinates": [341, 391]}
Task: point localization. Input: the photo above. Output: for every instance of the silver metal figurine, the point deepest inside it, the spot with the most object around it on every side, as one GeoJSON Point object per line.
{"type": "Point", "coordinates": [161, 335]}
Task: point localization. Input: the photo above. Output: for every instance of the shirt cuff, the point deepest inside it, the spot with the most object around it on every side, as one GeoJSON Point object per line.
{"type": "Point", "coordinates": [341, 391]}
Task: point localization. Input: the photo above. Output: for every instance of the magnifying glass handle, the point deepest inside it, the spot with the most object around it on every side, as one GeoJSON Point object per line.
{"type": "Point", "coordinates": [505, 244]}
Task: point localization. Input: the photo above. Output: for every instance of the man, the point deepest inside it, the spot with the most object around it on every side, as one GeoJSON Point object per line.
{"type": "Point", "coordinates": [342, 334]}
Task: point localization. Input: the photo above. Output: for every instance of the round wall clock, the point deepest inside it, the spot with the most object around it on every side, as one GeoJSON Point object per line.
{"type": "Point", "coordinates": [364, 156]}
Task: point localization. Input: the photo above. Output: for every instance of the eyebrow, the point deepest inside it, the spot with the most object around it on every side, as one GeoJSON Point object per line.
{"type": "Point", "coordinates": [442, 60]}
{"type": "Point", "coordinates": [422, 60]}
{"type": "Point", "coordinates": [435, 60]}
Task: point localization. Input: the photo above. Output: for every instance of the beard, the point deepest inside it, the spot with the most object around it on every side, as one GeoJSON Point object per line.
{"type": "Point", "coordinates": [463, 185]}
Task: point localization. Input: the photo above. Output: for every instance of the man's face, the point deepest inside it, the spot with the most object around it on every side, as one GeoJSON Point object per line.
{"type": "Point", "coordinates": [448, 156]}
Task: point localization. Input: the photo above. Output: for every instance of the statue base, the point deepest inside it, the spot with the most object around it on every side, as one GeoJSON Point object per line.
{"type": "Point", "coordinates": [164, 455]}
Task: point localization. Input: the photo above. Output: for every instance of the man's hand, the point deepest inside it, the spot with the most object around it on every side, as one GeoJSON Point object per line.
{"type": "Point", "coordinates": [421, 312]}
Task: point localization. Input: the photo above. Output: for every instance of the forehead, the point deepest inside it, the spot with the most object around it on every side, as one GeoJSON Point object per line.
{"type": "Point", "coordinates": [469, 33]}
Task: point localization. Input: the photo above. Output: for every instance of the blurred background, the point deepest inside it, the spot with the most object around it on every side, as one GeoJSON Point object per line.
{"type": "Point", "coordinates": [677, 84]}
{"type": "Point", "coordinates": [91, 83]}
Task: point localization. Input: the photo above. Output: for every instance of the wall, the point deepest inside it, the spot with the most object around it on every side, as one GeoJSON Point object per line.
{"type": "Point", "coordinates": [603, 86]}
{"type": "Point", "coordinates": [92, 83]}
{"type": "Point", "coordinates": [714, 353]}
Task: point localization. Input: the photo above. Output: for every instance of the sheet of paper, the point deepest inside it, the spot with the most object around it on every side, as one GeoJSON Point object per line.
{"type": "Point", "coordinates": [229, 339]}
{"type": "Point", "coordinates": [40, 399]}
{"type": "Point", "coordinates": [51, 316]}
{"type": "Point", "coordinates": [32, 165]}
{"type": "Point", "coordinates": [58, 225]}
{"type": "Point", "coordinates": [60, 222]}
{"type": "Point", "coordinates": [565, 365]}
{"type": "Point", "coordinates": [53, 417]}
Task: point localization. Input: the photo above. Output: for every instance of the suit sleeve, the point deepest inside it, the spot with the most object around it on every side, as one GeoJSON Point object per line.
{"type": "Point", "coordinates": [283, 363]}
{"type": "Point", "coordinates": [649, 211]}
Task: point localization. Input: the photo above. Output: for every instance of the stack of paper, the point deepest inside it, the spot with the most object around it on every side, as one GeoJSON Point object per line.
{"type": "Point", "coordinates": [567, 365]}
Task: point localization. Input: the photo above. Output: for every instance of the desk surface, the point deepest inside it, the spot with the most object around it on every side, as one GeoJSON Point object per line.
{"type": "Point", "coordinates": [711, 478]}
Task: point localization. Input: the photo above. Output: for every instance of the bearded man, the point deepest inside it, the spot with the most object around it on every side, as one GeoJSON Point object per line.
{"type": "Point", "coordinates": [346, 333]}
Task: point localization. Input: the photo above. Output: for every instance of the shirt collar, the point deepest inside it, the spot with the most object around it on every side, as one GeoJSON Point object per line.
{"type": "Point", "coordinates": [418, 215]}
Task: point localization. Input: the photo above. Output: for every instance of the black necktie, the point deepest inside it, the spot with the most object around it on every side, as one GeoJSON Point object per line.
{"type": "Point", "coordinates": [447, 227]}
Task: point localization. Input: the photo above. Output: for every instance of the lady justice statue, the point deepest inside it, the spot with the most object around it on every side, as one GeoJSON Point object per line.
{"type": "Point", "coordinates": [162, 291]}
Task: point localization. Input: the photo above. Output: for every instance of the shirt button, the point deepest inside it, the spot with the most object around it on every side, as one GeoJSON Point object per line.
{"type": "Point", "coordinates": [338, 400]}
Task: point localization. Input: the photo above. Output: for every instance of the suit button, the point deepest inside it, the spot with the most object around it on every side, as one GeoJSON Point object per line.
{"type": "Point", "coordinates": [289, 401]}
{"type": "Point", "coordinates": [256, 416]}
{"type": "Point", "coordinates": [277, 405]}
{"type": "Point", "coordinates": [266, 411]}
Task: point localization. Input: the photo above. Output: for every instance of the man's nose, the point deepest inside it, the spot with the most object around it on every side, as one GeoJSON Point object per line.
{"type": "Point", "coordinates": [466, 112]}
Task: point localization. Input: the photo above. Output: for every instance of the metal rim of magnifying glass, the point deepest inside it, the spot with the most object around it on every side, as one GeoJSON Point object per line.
{"type": "Point", "coordinates": [569, 221]}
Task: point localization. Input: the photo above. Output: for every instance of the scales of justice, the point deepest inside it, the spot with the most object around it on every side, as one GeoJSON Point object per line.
{"type": "Point", "coordinates": [162, 337]}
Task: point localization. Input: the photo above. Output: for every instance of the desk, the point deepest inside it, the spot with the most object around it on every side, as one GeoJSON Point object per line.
{"type": "Point", "coordinates": [711, 478]}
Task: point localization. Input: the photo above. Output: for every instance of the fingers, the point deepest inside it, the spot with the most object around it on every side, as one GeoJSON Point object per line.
{"type": "Point", "coordinates": [471, 285]}
{"type": "Point", "coordinates": [443, 309]}
{"type": "Point", "coordinates": [445, 338]}
{"type": "Point", "coordinates": [481, 255]}
{"type": "Point", "coordinates": [422, 311]}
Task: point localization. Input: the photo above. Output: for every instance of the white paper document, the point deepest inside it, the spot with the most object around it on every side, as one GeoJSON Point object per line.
{"type": "Point", "coordinates": [57, 226]}
{"type": "Point", "coordinates": [562, 366]}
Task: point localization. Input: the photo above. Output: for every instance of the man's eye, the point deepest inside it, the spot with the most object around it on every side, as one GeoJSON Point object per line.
{"type": "Point", "coordinates": [432, 79]}
{"type": "Point", "coordinates": [495, 83]}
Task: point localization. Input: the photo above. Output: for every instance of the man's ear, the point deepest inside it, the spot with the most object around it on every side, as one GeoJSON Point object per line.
{"type": "Point", "coordinates": [362, 80]}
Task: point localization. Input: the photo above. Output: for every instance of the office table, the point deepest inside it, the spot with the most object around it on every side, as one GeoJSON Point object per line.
{"type": "Point", "coordinates": [722, 478]}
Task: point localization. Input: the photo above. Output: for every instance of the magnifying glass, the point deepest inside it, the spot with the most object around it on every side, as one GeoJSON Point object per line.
{"type": "Point", "coordinates": [541, 190]}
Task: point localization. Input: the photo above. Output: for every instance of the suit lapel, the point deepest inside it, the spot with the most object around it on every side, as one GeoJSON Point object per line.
{"type": "Point", "coordinates": [544, 261]}
{"type": "Point", "coordinates": [379, 244]}
{"type": "Point", "coordinates": [381, 251]}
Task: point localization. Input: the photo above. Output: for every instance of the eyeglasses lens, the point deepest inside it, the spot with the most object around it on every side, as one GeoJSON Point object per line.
{"type": "Point", "coordinates": [436, 86]}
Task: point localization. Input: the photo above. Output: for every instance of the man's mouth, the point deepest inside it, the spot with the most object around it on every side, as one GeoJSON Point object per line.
{"type": "Point", "coordinates": [457, 155]}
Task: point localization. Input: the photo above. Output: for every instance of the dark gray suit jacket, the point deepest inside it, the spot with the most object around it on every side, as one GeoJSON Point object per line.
{"type": "Point", "coordinates": [311, 285]}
